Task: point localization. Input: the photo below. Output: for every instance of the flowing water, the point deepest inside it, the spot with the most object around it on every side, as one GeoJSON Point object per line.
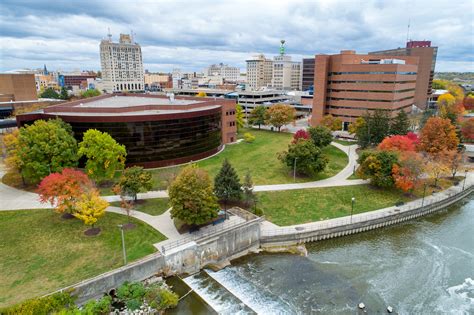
{"type": "Point", "coordinates": [424, 266]}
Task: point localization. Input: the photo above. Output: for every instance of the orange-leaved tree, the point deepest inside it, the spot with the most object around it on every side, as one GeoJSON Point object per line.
{"type": "Point", "coordinates": [438, 135]}
{"type": "Point", "coordinates": [436, 166]}
{"type": "Point", "coordinates": [467, 130]}
{"type": "Point", "coordinates": [453, 160]}
{"type": "Point", "coordinates": [63, 189]}
{"type": "Point", "coordinates": [408, 172]}
{"type": "Point", "coordinates": [331, 122]}
{"type": "Point", "coordinates": [399, 143]}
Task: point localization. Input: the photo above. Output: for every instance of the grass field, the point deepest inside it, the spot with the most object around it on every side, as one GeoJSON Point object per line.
{"type": "Point", "coordinates": [154, 206]}
{"type": "Point", "coordinates": [260, 159]}
{"type": "Point", "coordinates": [345, 142]}
{"type": "Point", "coordinates": [307, 205]}
{"type": "Point", "coordinates": [40, 252]}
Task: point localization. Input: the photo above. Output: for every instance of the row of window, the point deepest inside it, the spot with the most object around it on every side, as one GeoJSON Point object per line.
{"type": "Point", "coordinates": [370, 82]}
{"type": "Point", "coordinates": [232, 112]}
{"type": "Point", "coordinates": [370, 91]}
{"type": "Point", "coordinates": [367, 100]}
{"type": "Point", "coordinates": [365, 108]}
{"type": "Point", "coordinates": [373, 72]}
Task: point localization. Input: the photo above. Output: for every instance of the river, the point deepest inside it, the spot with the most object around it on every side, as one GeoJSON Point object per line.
{"type": "Point", "coordinates": [425, 266]}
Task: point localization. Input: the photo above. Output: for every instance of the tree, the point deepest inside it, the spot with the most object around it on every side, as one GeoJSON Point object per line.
{"type": "Point", "coordinates": [12, 160]}
{"type": "Point", "coordinates": [133, 180]}
{"type": "Point", "coordinates": [125, 204]}
{"type": "Point", "coordinates": [90, 93]}
{"type": "Point", "coordinates": [279, 115]}
{"type": "Point", "coordinates": [247, 189]}
{"type": "Point", "coordinates": [467, 130]}
{"type": "Point", "coordinates": [427, 114]}
{"type": "Point", "coordinates": [447, 107]}
{"type": "Point", "coordinates": [400, 124]}
{"type": "Point", "coordinates": [301, 134]}
{"type": "Point", "coordinates": [375, 129]}
{"type": "Point", "coordinates": [309, 157]}
{"type": "Point", "coordinates": [239, 116]}
{"type": "Point", "coordinates": [320, 135]}
{"type": "Point", "coordinates": [399, 143]}
{"type": "Point", "coordinates": [90, 207]}
{"type": "Point", "coordinates": [191, 197]}
{"type": "Point", "coordinates": [377, 166]}
{"type": "Point", "coordinates": [331, 122]}
{"type": "Point", "coordinates": [201, 94]}
{"type": "Point", "coordinates": [359, 123]}
{"type": "Point", "coordinates": [453, 160]}
{"type": "Point", "coordinates": [227, 183]}
{"type": "Point", "coordinates": [64, 94]}
{"type": "Point", "coordinates": [50, 93]}
{"type": "Point", "coordinates": [436, 166]}
{"type": "Point", "coordinates": [104, 155]}
{"type": "Point", "coordinates": [439, 85]}
{"type": "Point", "coordinates": [46, 147]}
{"type": "Point", "coordinates": [438, 135]}
{"type": "Point", "coordinates": [408, 172]}
{"type": "Point", "coordinates": [257, 116]}
{"type": "Point", "coordinates": [63, 189]}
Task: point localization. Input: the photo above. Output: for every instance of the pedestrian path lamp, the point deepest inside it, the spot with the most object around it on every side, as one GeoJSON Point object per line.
{"type": "Point", "coordinates": [352, 206]}
{"type": "Point", "coordinates": [123, 244]}
{"type": "Point", "coordinates": [424, 193]}
{"type": "Point", "coordinates": [464, 183]}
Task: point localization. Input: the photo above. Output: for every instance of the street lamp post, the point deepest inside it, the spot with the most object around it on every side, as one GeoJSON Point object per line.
{"type": "Point", "coordinates": [424, 193]}
{"type": "Point", "coordinates": [352, 208]}
{"type": "Point", "coordinates": [294, 170]}
{"type": "Point", "coordinates": [123, 245]}
{"type": "Point", "coordinates": [464, 182]}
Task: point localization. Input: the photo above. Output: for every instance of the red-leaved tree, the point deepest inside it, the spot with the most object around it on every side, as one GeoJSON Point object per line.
{"type": "Point", "coordinates": [63, 189]}
{"type": "Point", "coordinates": [467, 130]}
{"type": "Point", "coordinates": [408, 172]}
{"type": "Point", "coordinates": [301, 134]}
{"type": "Point", "coordinates": [405, 143]}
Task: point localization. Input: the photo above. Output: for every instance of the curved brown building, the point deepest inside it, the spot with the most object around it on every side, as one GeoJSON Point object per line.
{"type": "Point", "coordinates": [156, 130]}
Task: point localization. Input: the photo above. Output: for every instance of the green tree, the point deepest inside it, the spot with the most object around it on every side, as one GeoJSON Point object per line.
{"type": "Point", "coordinates": [227, 183]}
{"type": "Point", "coordinates": [135, 179]}
{"type": "Point", "coordinates": [320, 135]}
{"type": "Point", "coordinates": [400, 124]}
{"type": "Point", "coordinates": [64, 94]}
{"type": "Point", "coordinates": [104, 155]}
{"type": "Point", "coordinates": [191, 197]}
{"type": "Point", "coordinates": [46, 147]}
{"type": "Point", "coordinates": [427, 114]}
{"type": "Point", "coordinates": [279, 115]}
{"type": "Point", "coordinates": [309, 158]}
{"type": "Point", "coordinates": [90, 93]}
{"type": "Point", "coordinates": [377, 167]}
{"type": "Point", "coordinates": [375, 129]}
{"type": "Point", "coordinates": [239, 116]}
{"type": "Point", "coordinates": [50, 93]}
{"type": "Point", "coordinates": [247, 189]}
{"type": "Point", "coordinates": [257, 116]}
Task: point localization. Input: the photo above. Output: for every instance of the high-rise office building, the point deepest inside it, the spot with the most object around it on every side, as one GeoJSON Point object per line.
{"type": "Point", "coordinates": [307, 77]}
{"type": "Point", "coordinates": [122, 64]}
{"type": "Point", "coordinates": [259, 72]}
{"type": "Point", "coordinates": [348, 85]}
{"type": "Point", "coordinates": [426, 66]}
{"type": "Point", "coordinates": [227, 72]}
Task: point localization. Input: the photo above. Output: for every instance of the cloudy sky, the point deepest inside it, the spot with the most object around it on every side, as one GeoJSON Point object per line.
{"type": "Point", "coordinates": [190, 35]}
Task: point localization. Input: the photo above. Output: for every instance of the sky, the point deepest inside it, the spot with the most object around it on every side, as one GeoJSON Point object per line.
{"type": "Point", "coordinates": [191, 35]}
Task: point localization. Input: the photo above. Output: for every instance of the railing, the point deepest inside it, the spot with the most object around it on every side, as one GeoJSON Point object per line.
{"type": "Point", "coordinates": [428, 203]}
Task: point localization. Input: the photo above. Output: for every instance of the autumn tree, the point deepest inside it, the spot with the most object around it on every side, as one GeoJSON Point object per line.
{"type": "Point", "coordinates": [12, 159]}
{"type": "Point", "coordinates": [201, 94]}
{"type": "Point", "coordinates": [247, 189]}
{"type": "Point", "coordinates": [399, 143]}
{"type": "Point", "coordinates": [125, 203]}
{"type": "Point", "coordinates": [400, 124]}
{"type": "Point", "coordinates": [63, 189]}
{"type": "Point", "coordinates": [436, 166]}
{"type": "Point", "coordinates": [438, 135]}
{"type": "Point", "coordinates": [309, 158]}
{"type": "Point", "coordinates": [90, 207]}
{"type": "Point", "coordinates": [239, 116]}
{"type": "Point", "coordinates": [447, 107]}
{"type": "Point", "coordinates": [279, 115]}
{"type": "Point", "coordinates": [453, 160]}
{"type": "Point", "coordinates": [320, 135]}
{"type": "Point", "coordinates": [331, 122]}
{"type": "Point", "coordinates": [257, 116]}
{"type": "Point", "coordinates": [359, 123]}
{"type": "Point", "coordinates": [104, 155]}
{"type": "Point", "coordinates": [377, 167]}
{"type": "Point", "coordinates": [135, 179]}
{"type": "Point", "coordinates": [467, 130]}
{"type": "Point", "coordinates": [301, 134]}
{"type": "Point", "coordinates": [408, 171]}
{"type": "Point", "coordinates": [227, 183]}
{"type": "Point", "coordinates": [192, 198]}
{"type": "Point", "coordinates": [46, 147]}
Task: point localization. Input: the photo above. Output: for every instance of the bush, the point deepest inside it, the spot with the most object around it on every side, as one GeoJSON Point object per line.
{"type": "Point", "coordinates": [161, 298]}
{"type": "Point", "coordinates": [248, 137]}
{"type": "Point", "coordinates": [258, 212]}
{"type": "Point", "coordinates": [129, 291]}
{"type": "Point", "coordinates": [133, 304]}
{"type": "Point", "coordinates": [100, 307]}
{"type": "Point", "coordinates": [321, 136]}
{"type": "Point", "coordinates": [42, 306]}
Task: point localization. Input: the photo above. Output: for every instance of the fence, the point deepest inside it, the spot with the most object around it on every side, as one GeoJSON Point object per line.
{"type": "Point", "coordinates": [444, 199]}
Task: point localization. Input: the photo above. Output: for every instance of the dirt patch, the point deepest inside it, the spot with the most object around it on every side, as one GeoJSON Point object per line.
{"type": "Point", "coordinates": [129, 226]}
{"type": "Point", "coordinates": [92, 231]}
{"type": "Point", "coordinates": [67, 216]}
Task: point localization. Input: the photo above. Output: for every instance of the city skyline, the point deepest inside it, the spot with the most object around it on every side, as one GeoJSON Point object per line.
{"type": "Point", "coordinates": [65, 36]}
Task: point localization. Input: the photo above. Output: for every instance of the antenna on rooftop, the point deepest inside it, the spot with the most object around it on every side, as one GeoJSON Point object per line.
{"type": "Point", "coordinates": [109, 35]}
{"type": "Point", "coordinates": [408, 30]}
{"type": "Point", "coordinates": [282, 47]}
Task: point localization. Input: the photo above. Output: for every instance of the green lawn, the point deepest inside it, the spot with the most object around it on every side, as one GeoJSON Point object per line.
{"type": "Point", "coordinates": [260, 159]}
{"type": "Point", "coordinates": [40, 252]}
{"type": "Point", "coordinates": [154, 206]}
{"type": "Point", "coordinates": [307, 205]}
{"type": "Point", "coordinates": [345, 142]}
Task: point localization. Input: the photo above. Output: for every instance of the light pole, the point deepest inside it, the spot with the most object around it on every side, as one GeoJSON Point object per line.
{"type": "Point", "coordinates": [424, 193]}
{"type": "Point", "coordinates": [464, 183]}
{"type": "Point", "coordinates": [294, 170]}
{"type": "Point", "coordinates": [352, 208]}
{"type": "Point", "coordinates": [123, 244]}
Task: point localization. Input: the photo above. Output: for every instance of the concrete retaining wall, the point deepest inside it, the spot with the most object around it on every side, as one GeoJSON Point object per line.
{"type": "Point", "coordinates": [299, 237]}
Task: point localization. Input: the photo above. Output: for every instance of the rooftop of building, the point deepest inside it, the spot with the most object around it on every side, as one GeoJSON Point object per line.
{"type": "Point", "coordinates": [129, 101]}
